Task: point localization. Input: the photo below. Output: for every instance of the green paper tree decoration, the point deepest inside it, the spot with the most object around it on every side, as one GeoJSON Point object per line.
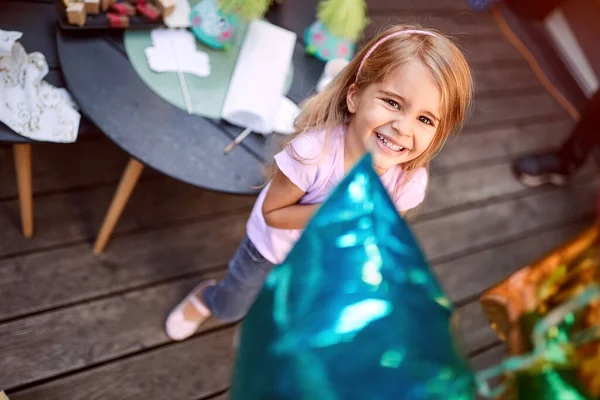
{"type": "Point", "coordinates": [245, 9]}
{"type": "Point", "coordinates": [344, 18]}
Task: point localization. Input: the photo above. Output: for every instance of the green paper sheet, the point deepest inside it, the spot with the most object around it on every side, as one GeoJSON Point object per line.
{"type": "Point", "coordinates": [207, 94]}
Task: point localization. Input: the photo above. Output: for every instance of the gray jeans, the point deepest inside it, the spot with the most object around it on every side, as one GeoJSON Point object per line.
{"type": "Point", "coordinates": [231, 298]}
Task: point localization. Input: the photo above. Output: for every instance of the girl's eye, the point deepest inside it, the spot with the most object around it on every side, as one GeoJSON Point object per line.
{"type": "Point", "coordinates": [393, 103]}
{"type": "Point", "coordinates": [425, 120]}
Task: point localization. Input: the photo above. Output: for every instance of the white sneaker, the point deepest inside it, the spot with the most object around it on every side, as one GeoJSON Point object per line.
{"type": "Point", "coordinates": [179, 328]}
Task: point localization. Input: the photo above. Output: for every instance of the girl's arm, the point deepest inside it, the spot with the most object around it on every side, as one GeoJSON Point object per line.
{"type": "Point", "coordinates": [281, 209]}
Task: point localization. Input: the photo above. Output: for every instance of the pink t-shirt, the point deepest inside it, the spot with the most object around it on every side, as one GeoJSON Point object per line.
{"type": "Point", "coordinates": [320, 170]}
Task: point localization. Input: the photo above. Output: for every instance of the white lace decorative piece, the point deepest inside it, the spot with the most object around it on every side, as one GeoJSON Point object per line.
{"type": "Point", "coordinates": [28, 105]}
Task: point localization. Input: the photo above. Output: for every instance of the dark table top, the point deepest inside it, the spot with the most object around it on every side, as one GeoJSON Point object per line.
{"type": "Point", "coordinates": [187, 147]}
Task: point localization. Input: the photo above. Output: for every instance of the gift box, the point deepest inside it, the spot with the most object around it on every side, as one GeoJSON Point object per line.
{"type": "Point", "coordinates": [166, 7]}
{"type": "Point", "coordinates": [106, 4]}
{"type": "Point", "coordinates": [505, 303]}
{"type": "Point", "coordinates": [92, 6]}
{"type": "Point", "coordinates": [514, 306]}
{"type": "Point", "coordinates": [76, 14]}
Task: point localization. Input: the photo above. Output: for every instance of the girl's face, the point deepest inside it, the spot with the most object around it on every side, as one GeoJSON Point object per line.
{"type": "Point", "coordinates": [396, 119]}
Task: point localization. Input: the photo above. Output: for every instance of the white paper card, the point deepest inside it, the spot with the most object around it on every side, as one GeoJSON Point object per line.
{"type": "Point", "coordinates": [174, 50]}
{"type": "Point", "coordinates": [254, 96]}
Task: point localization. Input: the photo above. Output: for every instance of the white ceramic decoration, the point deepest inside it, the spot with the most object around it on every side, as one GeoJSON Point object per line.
{"type": "Point", "coordinates": [28, 105]}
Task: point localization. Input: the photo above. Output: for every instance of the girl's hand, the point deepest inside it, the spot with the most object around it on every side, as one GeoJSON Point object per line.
{"type": "Point", "coordinates": [281, 209]}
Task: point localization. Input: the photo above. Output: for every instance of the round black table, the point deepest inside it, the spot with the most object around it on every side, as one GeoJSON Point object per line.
{"type": "Point", "coordinates": [155, 133]}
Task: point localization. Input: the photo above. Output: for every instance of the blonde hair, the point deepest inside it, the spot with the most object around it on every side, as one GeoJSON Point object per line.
{"type": "Point", "coordinates": [328, 109]}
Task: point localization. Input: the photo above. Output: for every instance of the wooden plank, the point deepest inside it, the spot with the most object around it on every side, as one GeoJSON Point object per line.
{"type": "Point", "coordinates": [37, 21]}
{"type": "Point", "coordinates": [470, 275]}
{"type": "Point", "coordinates": [56, 278]}
{"type": "Point", "coordinates": [503, 143]}
{"type": "Point", "coordinates": [475, 334]}
{"type": "Point", "coordinates": [480, 51]}
{"type": "Point", "coordinates": [46, 345]}
{"type": "Point", "coordinates": [193, 369]}
{"type": "Point", "coordinates": [468, 230]}
{"type": "Point", "coordinates": [123, 325]}
{"type": "Point", "coordinates": [459, 25]}
{"type": "Point", "coordinates": [475, 329]}
{"type": "Point", "coordinates": [61, 167]}
{"type": "Point", "coordinates": [502, 110]}
{"type": "Point", "coordinates": [157, 202]}
{"type": "Point", "coordinates": [493, 52]}
{"type": "Point", "coordinates": [495, 81]}
{"type": "Point", "coordinates": [476, 184]}
{"type": "Point", "coordinates": [489, 358]}
{"type": "Point", "coordinates": [74, 216]}
{"type": "Point", "coordinates": [441, 237]}
{"type": "Point", "coordinates": [387, 6]}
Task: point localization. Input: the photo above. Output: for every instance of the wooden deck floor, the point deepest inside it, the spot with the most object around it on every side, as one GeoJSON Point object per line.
{"type": "Point", "coordinates": [78, 326]}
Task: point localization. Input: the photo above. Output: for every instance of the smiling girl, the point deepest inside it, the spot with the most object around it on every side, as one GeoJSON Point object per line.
{"type": "Point", "coordinates": [400, 98]}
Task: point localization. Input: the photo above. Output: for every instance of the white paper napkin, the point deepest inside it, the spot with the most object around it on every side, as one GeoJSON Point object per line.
{"type": "Point", "coordinates": [254, 96]}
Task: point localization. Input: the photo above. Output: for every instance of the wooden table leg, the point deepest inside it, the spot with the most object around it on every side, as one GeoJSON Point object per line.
{"type": "Point", "coordinates": [128, 181]}
{"type": "Point", "coordinates": [22, 155]}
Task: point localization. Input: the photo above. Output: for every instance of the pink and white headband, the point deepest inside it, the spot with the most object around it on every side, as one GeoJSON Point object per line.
{"type": "Point", "coordinates": [391, 35]}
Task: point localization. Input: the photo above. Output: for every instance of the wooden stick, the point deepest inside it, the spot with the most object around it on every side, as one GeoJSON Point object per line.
{"type": "Point", "coordinates": [182, 84]}
{"type": "Point", "coordinates": [3, 396]}
{"type": "Point", "coordinates": [22, 155]}
{"type": "Point", "coordinates": [238, 140]}
{"type": "Point", "coordinates": [126, 185]}
{"type": "Point", "coordinates": [186, 94]}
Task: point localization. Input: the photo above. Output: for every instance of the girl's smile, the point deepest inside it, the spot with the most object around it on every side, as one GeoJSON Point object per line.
{"type": "Point", "coordinates": [390, 146]}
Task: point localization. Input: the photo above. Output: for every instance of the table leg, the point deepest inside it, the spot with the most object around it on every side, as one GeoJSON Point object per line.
{"type": "Point", "coordinates": [128, 181]}
{"type": "Point", "coordinates": [22, 155]}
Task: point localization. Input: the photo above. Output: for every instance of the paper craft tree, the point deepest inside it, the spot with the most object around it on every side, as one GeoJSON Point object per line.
{"type": "Point", "coordinates": [175, 50]}
{"type": "Point", "coordinates": [211, 25]}
{"type": "Point", "coordinates": [353, 313]}
{"type": "Point", "coordinates": [338, 26]}
{"type": "Point", "coordinates": [246, 9]}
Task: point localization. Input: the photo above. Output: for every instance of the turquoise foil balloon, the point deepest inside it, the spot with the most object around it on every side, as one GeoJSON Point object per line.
{"type": "Point", "coordinates": [353, 313]}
